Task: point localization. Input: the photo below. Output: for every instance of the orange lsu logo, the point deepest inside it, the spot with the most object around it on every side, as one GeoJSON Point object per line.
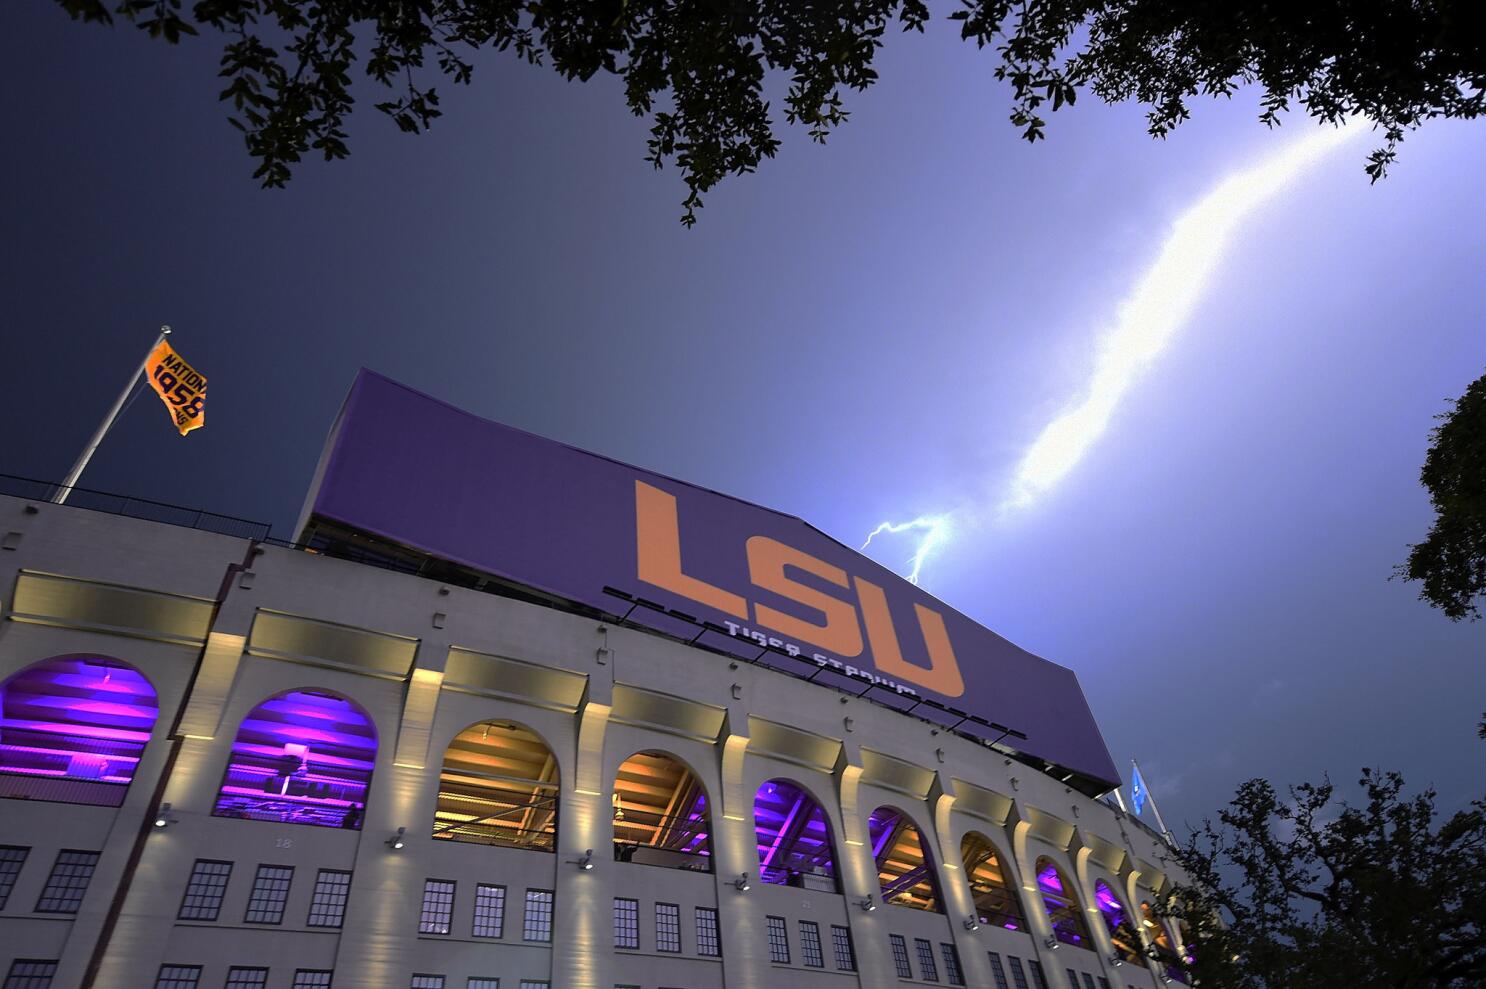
{"type": "Point", "coordinates": [658, 549]}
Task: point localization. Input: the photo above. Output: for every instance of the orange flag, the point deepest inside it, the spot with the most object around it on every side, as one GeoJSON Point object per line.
{"type": "Point", "coordinates": [179, 386]}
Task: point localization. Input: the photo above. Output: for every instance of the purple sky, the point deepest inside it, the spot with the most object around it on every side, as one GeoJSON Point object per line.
{"type": "Point", "coordinates": [865, 331]}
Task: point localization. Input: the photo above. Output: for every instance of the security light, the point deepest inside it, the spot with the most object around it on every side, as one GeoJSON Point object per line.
{"type": "Point", "coordinates": [972, 924]}
{"type": "Point", "coordinates": [741, 883]}
{"type": "Point", "coordinates": [1052, 943]}
{"type": "Point", "coordinates": [395, 842]}
{"type": "Point", "coordinates": [162, 816]}
{"type": "Point", "coordinates": [868, 904]}
{"type": "Point", "coordinates": [586, 862]}
{"type": "Point", "coordinates": [1116, 960]}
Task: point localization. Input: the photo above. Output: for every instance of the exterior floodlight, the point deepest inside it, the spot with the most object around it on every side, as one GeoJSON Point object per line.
{"type": "Point", "coordinates": [162, 816]}
{"type": "Point", "coordinates": [1116, 960]}
{"type": "Point", "coordinates": [868, 904]}
{"type": "Point", "coordinates": [586, 862]}
{"type": "Point", "coordinates": [1053, 944]}
{"type": "Point", "coordinates": [395, 842]}
{"type": "Point", "coordinates": [972, 923]}
{"type": "Point", "coordinates": [741, 883]}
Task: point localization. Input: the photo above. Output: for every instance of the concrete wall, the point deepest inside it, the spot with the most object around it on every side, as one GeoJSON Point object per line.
{"type": "Point", "coordinates": [354, 623]}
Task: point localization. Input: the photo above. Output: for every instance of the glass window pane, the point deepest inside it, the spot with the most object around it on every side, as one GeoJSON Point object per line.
{"type": "Point", "coordinates": [178, 977]}
{"type": "Point", "coordinates": [626, 923]}
{"type": "Point", "coordinates": [846, 958]}
{"type": "Point", "coordinates": [328, 906]}
{"type": "Point", "coordinates": [537, 924]}
{"type": "Point", "coordinates": [667, 927]}
{"type": "Point", "coordinates": [246, 978]}
{"type": "Point", "coordinates": [900, 956]}
{"type": "Point", "coordinates": [438, 907]}
{"type": "Point", "coordinates": [708, 944]}
{"type": "Point", "coordinates": [270, 893]}
{"type": "Point", "coordinates": [12, 858]}
{"type": "Point", "coordinates": [778, 941]}
{"type": "Point", "coordinates": [490, 910]}
{"type": "Point", "coordinates": [68, 882]}
{"type": "Point", "coordinates": [926, 959]}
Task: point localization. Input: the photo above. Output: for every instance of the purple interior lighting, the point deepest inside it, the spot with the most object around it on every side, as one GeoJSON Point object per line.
{"type": "Point", "coordinates": [300, 758]}
{"type": "Point", "coordinates": [794, 837]}
{"type": "Point", "coordinates": [73, 728]}
{"type": "Point", "coordinates": [1121, 933]}
{"type": "Point", "coordinates": [1063, 911]}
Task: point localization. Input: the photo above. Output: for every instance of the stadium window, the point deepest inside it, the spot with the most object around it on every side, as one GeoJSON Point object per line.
{"type": "Point", "coordinates": [952, 964]}
{"type": "Point", "coordinates": [997, 972]}
{"type": "Point", "coordinates": [667, 927]}
{"type": "Point", "coordinates": [793, 835]}
{"type": "Point", "coordinates": [12, 859]}
{"type": "Point", "coordinates": [1064, 912]}
{"type": "Point", "coordinates": [1103, 982]}
{"type": "Point", "coordinates": [482, 982]}
{"type": "Point", "coordinates": [328, 902]}
{"type": "Point", "coordinates": [778, 941]}
{"type": "Point", "coordinates": [661, 814]}
{"type": "Point", "coordinates": [535, 984]}
{"type": "Point", "coordinates": [1018, 977]}
{"type": "Point", "coordinates": [926, 959]}
{"type": "Point", "coordinates": [1072, 978]}
{"type": "Point", "coordinates": [300, 757]}
{"type": "Point", "coordinates": [312, 978]}
{"type": "Point", "coordinates": [626, 922]}
{"type": "Point", "coordinates": [995, 897]}
{"type": "Point", "coordinates": [708, 944]}
{"type": "Point", "coordinates": [426, 981]}
{"type": "Point", "coordinates": [438, 907]}
{"type": "Point", "coordinates": [178, 977]}
{"type": "Point", "coordinates": [1159, 937]}
{"type": "Point", "coordinates": [846, 956]}
{"type": "Point", "coordinates": [270, 893]}
{"type": "Point", "coordinates": [31, 973]}
{"type": "Point", "coordinates": [245, 977]}
{"type": "Point", "coordinates": [498, 786]}
{"type": "Point", "coordinates": [1117, 919]}
{"type": "Point", "coordinates": [490, 910]}
{"type": "Point", "coordinates": [536, 925]}
{"type": "Point", "coordinates": [900, 956]}
{"type": "Point", "coordinates": [1038, 979]}
{"type": "Point", "coordinates": [204, 890]}
{"type": "Point", "coordinates": [68, 882]}
{"type": "Point", "coordinates": [810, 947]}
{"type": "Point", "coordinates": [905, 868]}
{"type": "Point", "coordinates": [73, 729]}
{"type": "Point", "coordinates": [1088, 980]}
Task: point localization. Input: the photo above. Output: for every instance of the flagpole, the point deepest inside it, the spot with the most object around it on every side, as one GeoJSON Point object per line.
{"type": "Point", "coordinates": [82, 462]}
{"type": "Point", "coordinates": [1152, 798]}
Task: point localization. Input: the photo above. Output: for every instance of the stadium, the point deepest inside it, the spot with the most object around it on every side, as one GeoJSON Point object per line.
{"type": "Point", "coordinates": [510, 715]}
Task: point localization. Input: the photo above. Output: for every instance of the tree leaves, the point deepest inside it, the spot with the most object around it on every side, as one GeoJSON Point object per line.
{"type": "Point", "coordinates": [698, 70]}
{"type": "Point", "coordinates": [1451, 562]}
{"type": "Point", "coordinates": [1310, 893]}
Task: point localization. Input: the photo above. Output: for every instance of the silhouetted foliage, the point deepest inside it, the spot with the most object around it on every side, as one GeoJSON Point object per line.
{"type": "Point", "coordinates": [1451, 562]}
{"type": "Point", "coordinates": [1307, 893]}
{"type": "Point", "coordinates": [699, 70]}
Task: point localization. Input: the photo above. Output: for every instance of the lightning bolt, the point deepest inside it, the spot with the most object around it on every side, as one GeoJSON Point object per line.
{"type": "Point", "coordinates": [936, 530]}
{"type": "Point", "coordinates": [1159, 305]}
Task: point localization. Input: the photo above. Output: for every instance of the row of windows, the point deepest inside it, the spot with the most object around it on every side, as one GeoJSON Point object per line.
{"type": "Point", "coordinates": [65, 886]}
{"type": "Point", "coordinates": [811, 952]}
{"type": "Point", "coordinates": [207, 887]}
{"type": "Point", "coordinates": [437, 913]}
{"type": "Point", "coordinates": [32, 973]}
{"type": "Point", "coordinates": [667, 927]}
{"type": "Point", "coordinates": [1019, 977]}
{"type": "Point", "coordinates": [927, 963]}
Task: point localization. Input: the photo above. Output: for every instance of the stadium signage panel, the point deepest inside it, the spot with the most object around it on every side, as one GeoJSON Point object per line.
{"type": "Point", "coordinates": [415, 471]}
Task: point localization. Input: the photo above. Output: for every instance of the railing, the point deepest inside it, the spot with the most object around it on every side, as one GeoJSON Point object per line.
{"type": "Point", "coordinates": [135, 508]}
{"type": "Point", "coordinates": [66, 768]}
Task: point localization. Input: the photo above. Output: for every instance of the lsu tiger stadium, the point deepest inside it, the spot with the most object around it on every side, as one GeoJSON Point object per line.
{"type": "Point", "coordinates": [505, 714]}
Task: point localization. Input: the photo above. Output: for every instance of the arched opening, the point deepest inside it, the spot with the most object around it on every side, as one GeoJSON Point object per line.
{"type": "Point", "coordinates": [905, 868]}
{"type": "Point", "coordinates": [1161, 945]}
{"type": "Point", "coordinates": [661, 814]}
{"type": "Point", "coordinates": [1061, 902]}
{"type": "Point", "coordinates": [1121, 931]}
{"type": "Point", "coordinates": [301, 757]}
{"type": "Point", "coordinates": [995, 898]}
{"type": "Point", "coordinates": [794, 838]}
{"type": "Point", "coordinates": [498, 786]}
{"type": "Point", "coordinates": [73, 729]}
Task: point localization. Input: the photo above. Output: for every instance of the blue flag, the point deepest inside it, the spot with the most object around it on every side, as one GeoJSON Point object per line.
{"type": "Point", "coordinates": [1137, 789]}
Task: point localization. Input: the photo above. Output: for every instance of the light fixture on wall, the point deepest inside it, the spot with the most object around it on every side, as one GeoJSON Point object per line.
{"type": "Point", "coordinates": [1052, 943]}
{"type": "Point", "coordinates": [396, 842]}
{"type": "Point", "coordinates": [1116, 960]}
{"type": "Point", "coordinates": [972, 923]}
{"type": "Point", "coordinates": [741, 883]}
{"type": "Point", "coordinates": [163, 818]}
{"type": "Point", "coordinates": [586, 862]}
{"type": "Point", "coordinates": [868, 904]}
